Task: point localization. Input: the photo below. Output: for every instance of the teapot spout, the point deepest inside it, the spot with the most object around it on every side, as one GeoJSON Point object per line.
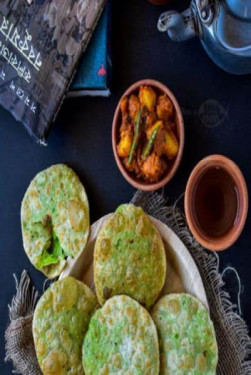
{"type": "Point", "coordinates": [179, 26]}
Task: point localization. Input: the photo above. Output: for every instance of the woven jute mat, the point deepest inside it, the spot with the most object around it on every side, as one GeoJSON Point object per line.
{"type": "Point", "coordinates": [232, 333]}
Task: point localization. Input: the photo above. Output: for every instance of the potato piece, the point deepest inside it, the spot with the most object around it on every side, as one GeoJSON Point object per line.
{"type": "Point", "coordinates": [147, 97]}
{"type": "Point", "coordinates": [171, 145]}
{"type": "Point", "coordinates": [125, 144]}
{"type": "Point", "coordinates": [134, 106]}
{"type": "Point", "coordinates": [124, 105]}
{"type": "Point", "coordinates": [165, 108]}
{"type": "Point", "coordinates": [150, 131]}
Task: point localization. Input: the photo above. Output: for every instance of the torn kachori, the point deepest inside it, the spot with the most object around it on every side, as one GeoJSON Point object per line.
{"type": "Point", "coordinates": [55, 219]}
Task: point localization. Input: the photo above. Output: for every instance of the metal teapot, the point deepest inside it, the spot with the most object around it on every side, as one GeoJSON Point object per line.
{"type": "Point", "coordinates": [224, 27]}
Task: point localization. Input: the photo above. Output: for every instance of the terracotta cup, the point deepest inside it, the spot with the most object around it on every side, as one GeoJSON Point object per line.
{"type": "Point", "coordinates": [140, 184]}
{"type": "Point", "coordinates": [217, 243]}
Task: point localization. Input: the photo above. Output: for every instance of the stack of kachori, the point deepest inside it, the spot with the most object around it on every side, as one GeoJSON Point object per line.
{"type": "Point", "coordinates": [126, 328]}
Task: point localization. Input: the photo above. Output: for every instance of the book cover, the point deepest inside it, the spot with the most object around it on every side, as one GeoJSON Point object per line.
{"type": "Point", "coordinates": [94, 73]}
{"type": "Point", "coordinates": [40, 46]}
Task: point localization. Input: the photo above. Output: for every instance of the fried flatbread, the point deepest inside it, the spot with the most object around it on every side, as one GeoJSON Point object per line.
{"type": "Point", "coordinates": [55, 219]}
{"type": "Point", "coordinates": [186, 334]}
{"type": "Point", "coordinates": [60, 322]}
{"type": "Point", "coordinates": [121, 339]}
{"type": "Point", "coordinates": [129, 257]}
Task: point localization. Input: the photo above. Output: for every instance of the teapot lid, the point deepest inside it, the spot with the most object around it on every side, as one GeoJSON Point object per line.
{"type": "Point", "coordinates": [241, 8]}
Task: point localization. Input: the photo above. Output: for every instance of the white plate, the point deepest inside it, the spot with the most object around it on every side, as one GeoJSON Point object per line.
{"type": "Point", "coordinates": [182, 274]}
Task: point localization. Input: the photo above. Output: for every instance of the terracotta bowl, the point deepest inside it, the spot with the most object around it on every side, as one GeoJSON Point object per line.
{"type": "Point", "coordinates": [229, 238]}
{"type": "Point", "coordinates": [135, 182]}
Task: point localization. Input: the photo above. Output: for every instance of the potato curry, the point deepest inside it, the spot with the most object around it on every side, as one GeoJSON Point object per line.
{"type": "Point", "coordinates": [148, 140]}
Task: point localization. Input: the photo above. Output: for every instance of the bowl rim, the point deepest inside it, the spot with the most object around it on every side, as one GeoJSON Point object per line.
{"type": "Point", "coordinates": [223, 242]}
{"type": "Point", "coordinates": [163, 88]}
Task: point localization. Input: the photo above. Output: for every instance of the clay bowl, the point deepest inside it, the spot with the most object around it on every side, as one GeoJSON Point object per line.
{"type": "Point", "coordinates": [137, 183]}
{"type": "Point", "coordinates": [217, 243]}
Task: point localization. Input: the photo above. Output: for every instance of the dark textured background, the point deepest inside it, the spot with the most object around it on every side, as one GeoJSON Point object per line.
{"type": "Point", "coordinates": [81, 137]}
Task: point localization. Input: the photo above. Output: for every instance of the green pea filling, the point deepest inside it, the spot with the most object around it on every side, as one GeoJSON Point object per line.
{"type": "Point", "coordinates": [52, 252]}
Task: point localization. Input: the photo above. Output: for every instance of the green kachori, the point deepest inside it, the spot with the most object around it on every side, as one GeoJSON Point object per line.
{"type": "Point", "coordinates": [60, 322]}
{"type": "Point", "coordinates": [186, 334]}
{"type": "Point", "coordinates": [55, 219]}
{"type": "Point", "coordinates": [121, 339]}
{"type": "Point", "coordinates": [129, 257]}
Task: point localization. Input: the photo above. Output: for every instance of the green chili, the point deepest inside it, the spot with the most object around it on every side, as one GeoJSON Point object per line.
{"type": "Point", "coordinates": [148, 147]}
{"type": "Point", "coordinates": [135, 137]}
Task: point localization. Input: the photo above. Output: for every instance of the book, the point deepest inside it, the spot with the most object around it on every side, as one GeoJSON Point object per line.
{"type": "Point", "coordinates": [40, 47]}
{"type": "Point", "coordinates": [94, 73]}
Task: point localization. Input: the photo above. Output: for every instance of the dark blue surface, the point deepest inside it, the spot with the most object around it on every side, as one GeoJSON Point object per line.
{"type": "Point", "coordinates": [96, 58]}
{"type": "Point", "coordinates": [81, 138]}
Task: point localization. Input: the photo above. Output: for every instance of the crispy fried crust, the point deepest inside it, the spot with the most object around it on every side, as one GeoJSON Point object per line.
{"type": "Point", "coordinates": [186, 334]}
{"type": "Point", "coordinates": [129, 257]}
{"type": "Point", "coordinates": [121, 339]}
{"type": "Point", "coordinates": [60, 322]}
{"type": "Point", "coordinates": [55, 219]}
